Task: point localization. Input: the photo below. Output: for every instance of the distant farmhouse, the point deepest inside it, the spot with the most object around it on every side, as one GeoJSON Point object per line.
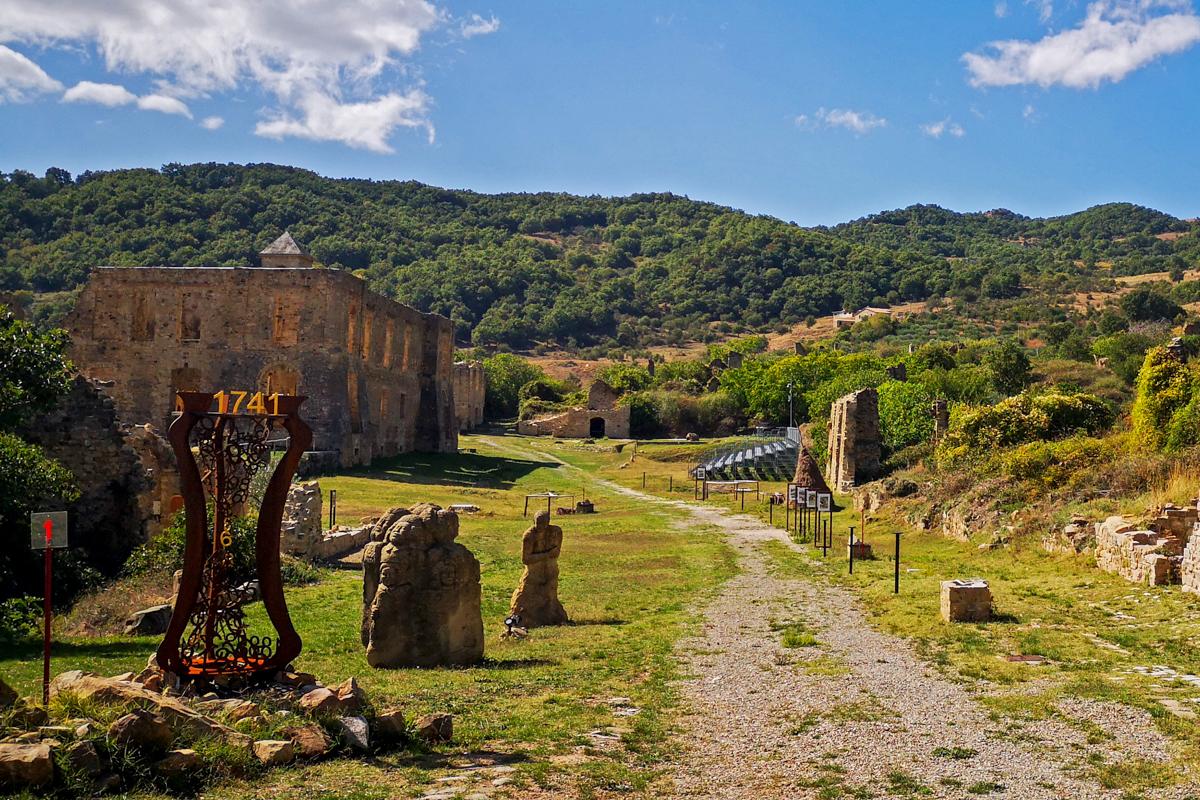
{"type": "Point", "coordinates": [845, 319]}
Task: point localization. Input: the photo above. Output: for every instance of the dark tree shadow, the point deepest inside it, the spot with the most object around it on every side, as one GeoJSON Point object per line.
{"type": "Point", "coordinates": [31, 649]}
{"type": "Point", "coordinates": [579, 623]}
{"type": "Point", "coordinates": [454, 469]}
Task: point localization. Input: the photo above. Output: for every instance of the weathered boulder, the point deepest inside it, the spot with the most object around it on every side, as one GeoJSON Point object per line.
{"type": "Point", "coordinates": [274, 752]}
{"type": "Point", "coordinates": [421, 592]}
{"type": "Point", "coordinates": [356, 732]}
{"type": "Point", "coordinates": [24, 765]}
{"type": "Point", "coordinates": [150, 621]}
{"type": "Point", "coordinates": [84, 758]}
{"type": "Point", "coordinates": [390, 725]}
{"type": "Point", "coordinates": [178, 763]}
{"type": "Point", "coordinates": [351, 697]}
{"type": "Point", "coordinates": [435, 728]}
{"type": "Point", "coordinates": [141, 729]}
{"type": "Point", "coordinates": [536, 596]}
{"type": "Point", "coordinates": [8, 695]}
{"type": "Point", "coordinates": [966, 600]}
{"type": "Point", "coordinates": [309, 740]}
{"type": "Point", "coordinates": [320, 701]}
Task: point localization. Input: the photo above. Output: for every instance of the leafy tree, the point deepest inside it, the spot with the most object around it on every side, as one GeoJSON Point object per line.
{"type": "Point", "coordinates": [506, 374]}
{"type": "Point", "coordinates": [1146, 305]}
{"type": "Point", "coordinates": [625, 377]}
{"type": "Point", "coordinates": [34, 370]}
{"type": "Point", "coordinates": [1009, 367]}
{"type": "Point", "coordinates": [904, 414]}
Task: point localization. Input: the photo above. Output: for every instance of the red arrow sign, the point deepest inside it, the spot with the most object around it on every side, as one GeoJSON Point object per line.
{"type": "Point", "coordinates": [48, 526]}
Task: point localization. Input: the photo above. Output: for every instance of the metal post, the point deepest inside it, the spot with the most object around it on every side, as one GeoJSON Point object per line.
{"type": "Point", "coordinates": [791, 416]}
{"type": "Point", "coordinates": [47, 611]}
{"type": "Point", "coordinates": [332, 507]}
{"type": "Point", "coordinates": [670, 483]}
{"type": "Point", "coordinates": [851, 549]}
{"type": "Point", "coordinates": [743, 494]}
{"type": "Point", "coordinates": [771, 512]}
{"type": "Point", "coordinates": [897, 588]}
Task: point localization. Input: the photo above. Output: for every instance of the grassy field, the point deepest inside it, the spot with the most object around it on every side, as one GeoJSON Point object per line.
{"type": "Point", "coordinates": [1096, 631]}
{"type": "Point", "coordinates": [630, 578]}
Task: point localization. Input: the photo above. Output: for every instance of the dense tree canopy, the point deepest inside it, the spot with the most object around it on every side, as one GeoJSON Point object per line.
{"type": "Point", "coordinates": [518, 269]}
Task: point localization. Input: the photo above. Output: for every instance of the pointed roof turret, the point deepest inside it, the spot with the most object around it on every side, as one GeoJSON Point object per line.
{"type": "Point", "coordinates": [284, 252]}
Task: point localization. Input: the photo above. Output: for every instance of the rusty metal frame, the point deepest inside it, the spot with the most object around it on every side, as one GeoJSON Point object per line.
{"type": "Point", "coordinates": [199, 547]}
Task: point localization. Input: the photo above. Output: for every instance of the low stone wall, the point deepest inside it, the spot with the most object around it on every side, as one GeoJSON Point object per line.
{"type": "Point", "coordinates": [577, 423]}
{"type": "Point", "coordinates": [1141, 556]}
{"type": "Point", "coordinates": [1189, 567]}
{"type": "Point", "coordinates": [339, 541]}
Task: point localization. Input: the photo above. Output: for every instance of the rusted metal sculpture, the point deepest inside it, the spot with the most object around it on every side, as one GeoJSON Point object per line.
{"type": "Point", "coordinates": [208, 635]}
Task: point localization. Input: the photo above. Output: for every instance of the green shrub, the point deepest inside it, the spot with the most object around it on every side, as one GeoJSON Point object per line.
{"type": "Point", "coordinates": [981, 430]}
{"type": "Point", "coordinates": [546, 389]}
{"type": "Point", "coordinates": [625, 378]}
{"type": "Point", "coordinates": [164, 553]}
{"type": "Point", "coordinates": [506, 374]}
{"type": "Point", "coordinates": [1164, 386]}
{"type": "Point", "coordinates": [20, 618]}
{"type": "Point", "coordinates": [904, 414]}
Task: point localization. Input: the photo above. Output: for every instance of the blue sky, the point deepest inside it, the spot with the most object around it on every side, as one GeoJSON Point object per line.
{"type": "Point", "coordinates": [813, 112]}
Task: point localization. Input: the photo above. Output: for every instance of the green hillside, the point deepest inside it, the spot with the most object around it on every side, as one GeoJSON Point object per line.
{"type": "Point", "coordinates": [522, 269]}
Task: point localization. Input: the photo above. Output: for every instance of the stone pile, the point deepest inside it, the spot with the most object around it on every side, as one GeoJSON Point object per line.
{"type": "Point", "coordinates": [1077, 536]}
{"type": "Point", "coordinates": [1141, 556]}
{"type": "Point", "coordinates": [421, 592]}
{"type": "Point", "coordinates": [535, 600]}
{"type": "Point", "coordinates": [162, 718]}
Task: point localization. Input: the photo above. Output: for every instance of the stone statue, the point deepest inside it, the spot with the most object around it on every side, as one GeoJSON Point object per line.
{"type": "Point", "coordinates": [536, 597]}
{"type": "Point", "coordinates": [421, 593]}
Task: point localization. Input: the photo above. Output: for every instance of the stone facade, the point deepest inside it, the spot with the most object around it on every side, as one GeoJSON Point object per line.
{"type": "Point", "coordinates": [1189, 567]}
{"type": "Point", "coordinates": [421, 592]}
{"type": "Point", "coordinates": [470, 386]}
{"type": "Point", "coordinates": [378, 375]}
{"type": "Point", "coordinates": [966, 600]}
{"type": "Point", "coordinates": [602, 417]}
{"type": "Point", "coordinates": [854, 451]}
{"type": "Point", "coordinates": [126, 475]}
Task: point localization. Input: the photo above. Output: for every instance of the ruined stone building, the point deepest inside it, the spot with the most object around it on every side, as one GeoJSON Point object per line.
{"type": "Point", "coordinates": [469, 389]}
{"type": "Point", "coordinates": [854, 445]}
{"type": "Point", "coordinates": [602, 417]}
{"type": "Point", "coordinates": [379, 376]}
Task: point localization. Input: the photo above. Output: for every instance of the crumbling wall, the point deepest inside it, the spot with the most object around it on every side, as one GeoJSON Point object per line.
{"type": "Point", "coordinates": [1141, 556]}
{"type": "Point", "coordinates": [854, 446]}
{"type": "Point", "coordinates": [123, 474]}
{"type": "Point", "coordinates": [469, 390]}
{"type": "Point", "coordinates": [577, 423]}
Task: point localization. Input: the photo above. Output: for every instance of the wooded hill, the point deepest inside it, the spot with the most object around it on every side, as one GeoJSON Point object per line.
{"type": "Point", "coordinates": [519, 269]}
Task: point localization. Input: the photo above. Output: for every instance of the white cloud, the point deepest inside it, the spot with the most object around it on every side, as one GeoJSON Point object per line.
{"type": "Point", "coordinates": [312, 56]}
{"type": "Point", "coordinates": [164, 104]}
{"type": "Point", "coordinates": [21, 79]}
{"type": "Point", "coordinates": [1115, 38]}
{"type": "Point", "coordinates": [106, 94]}
{"type": "Point", "coordinates": [478, 26]}
{"type": "Point", "coordinates": [366, 125]}
{"type": "Point", "coordinates": [211, 123]}
{"type": "Point", "coordinates": [858, 121]}
{"type": "Point", "coordinates": [1000, 9]}
{"type": "Point", "coordinates": [943, 127]}
{"type": "Point", "coordinates": [1028, 111]}
{"type": "Point", "coordinates": [1045, 9]}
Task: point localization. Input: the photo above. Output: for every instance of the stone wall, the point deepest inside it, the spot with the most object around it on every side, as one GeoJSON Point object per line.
{"type": "Point", "coordinates": [1189, 567]}
{"type": "Point", "coordinates": [580, 423]}
{"type": "Point", "coordinates": [854, 451]}
{"type": "Point", "coordinates": [470, 386]}
{"type": "Point", "coordinates": [378, 375]}
{"type": "Point", "coordinates": [127, 476]}
{"type": "Point", "coordinates": [1141, 556]}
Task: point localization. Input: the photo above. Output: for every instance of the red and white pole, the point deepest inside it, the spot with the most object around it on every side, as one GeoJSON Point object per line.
{"type": "Point", "coordinates": [48, 525]}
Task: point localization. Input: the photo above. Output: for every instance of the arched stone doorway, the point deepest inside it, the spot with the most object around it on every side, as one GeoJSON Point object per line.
{"type": "Point", "coordinates": [596, 428]}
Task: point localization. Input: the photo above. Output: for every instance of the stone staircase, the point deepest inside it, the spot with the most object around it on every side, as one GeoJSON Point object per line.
{"type": "Point", "coordinates": [772, 459]}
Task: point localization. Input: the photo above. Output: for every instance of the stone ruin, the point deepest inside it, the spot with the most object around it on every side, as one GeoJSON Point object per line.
{"type": "Point", "coordinates": [854, 445]}
{"type": "Point", "coordinates": [421, 592]}
{"type": "Point", "coordinates": [536, 597]}
{"type": "Point", "coordinates": [1153, 555]}
{"type": "Point", "coordinates": [940, 411]}
{"type": "Point", "coordinates": [302, 533]}
{"type": "Point", "coordinates": [602, 417]}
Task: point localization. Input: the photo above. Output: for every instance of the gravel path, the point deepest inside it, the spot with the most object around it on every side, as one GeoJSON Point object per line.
{"type": "Point", "coordinates": [857, 714]}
